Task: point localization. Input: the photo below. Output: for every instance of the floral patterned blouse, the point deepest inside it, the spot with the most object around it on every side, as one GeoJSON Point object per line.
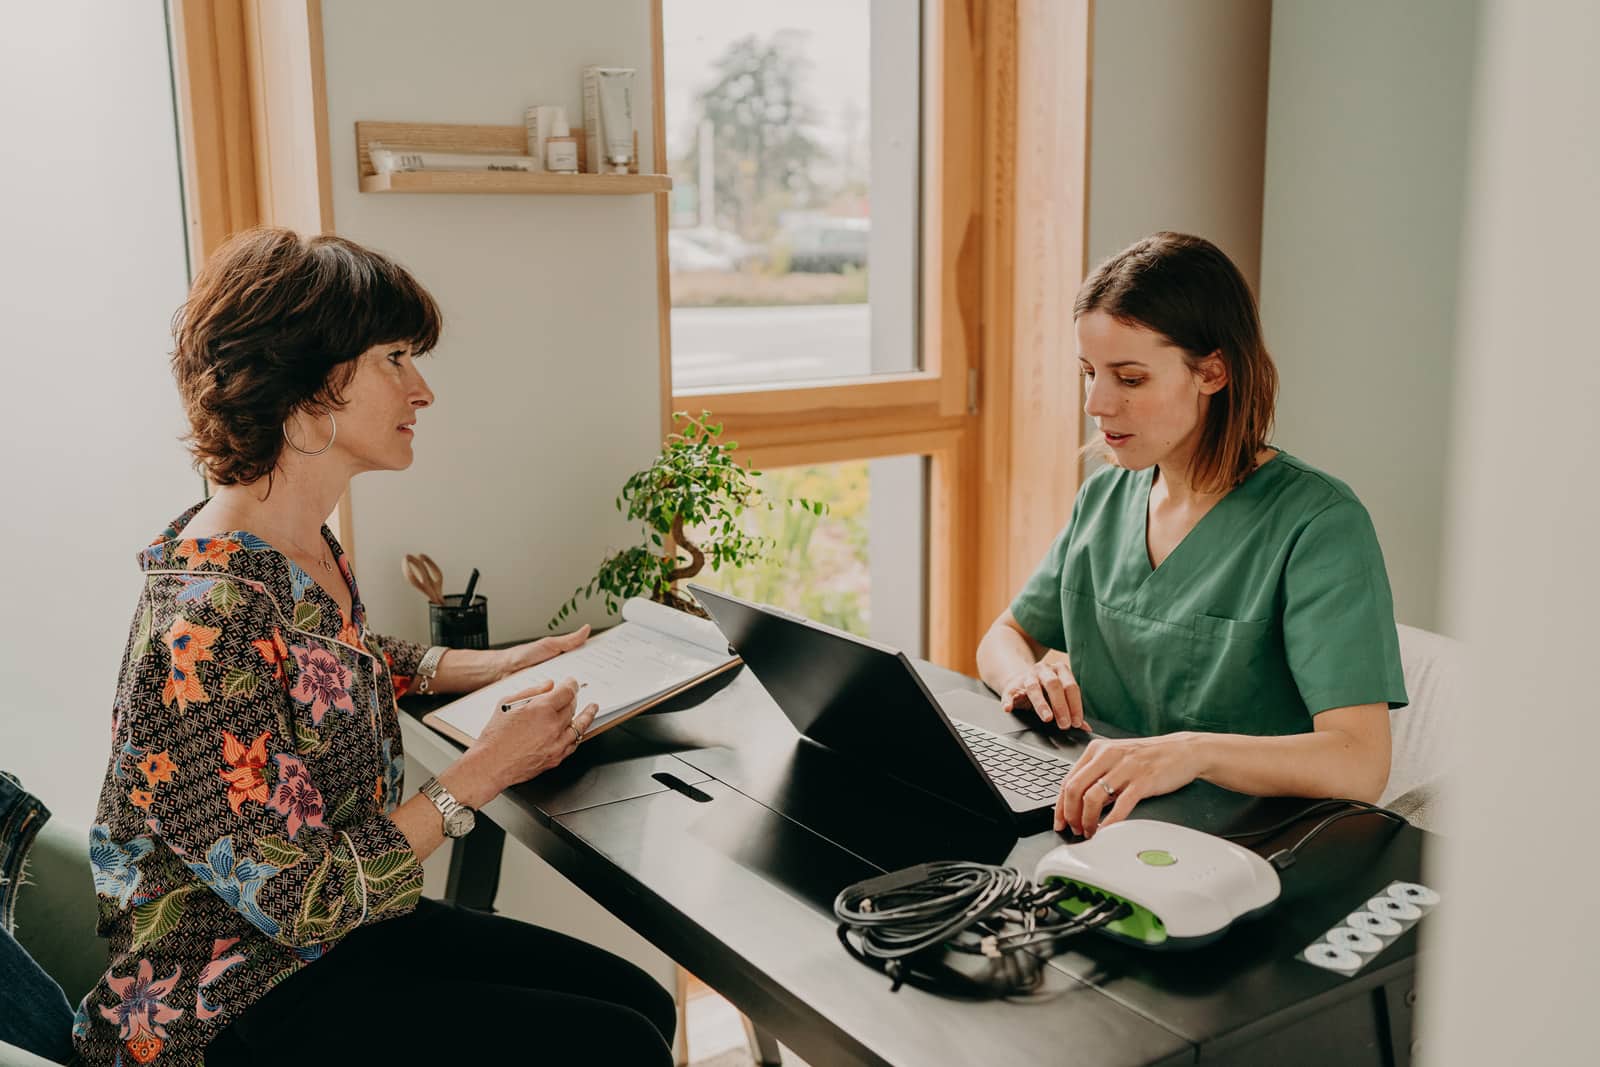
{"type": "Point", "coordinates": [243, 827]}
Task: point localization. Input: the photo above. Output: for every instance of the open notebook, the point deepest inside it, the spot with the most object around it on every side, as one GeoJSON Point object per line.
{"type": "Point", "coordinates": [656, 652]}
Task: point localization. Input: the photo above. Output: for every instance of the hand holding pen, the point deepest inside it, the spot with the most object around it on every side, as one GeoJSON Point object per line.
{"type": "Point", "coordinates": [513, 705]}
{"type": "Point", "coordinates": [541, 728]}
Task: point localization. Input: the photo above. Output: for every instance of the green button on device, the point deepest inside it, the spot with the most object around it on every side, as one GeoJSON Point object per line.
{"type": "Point", "coordinates": [1156, 857]}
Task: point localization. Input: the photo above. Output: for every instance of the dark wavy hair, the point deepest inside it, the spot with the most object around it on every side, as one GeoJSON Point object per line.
{"type": "Point", "coordinates": [1188, 291]}
{"type": "Point", "coordinates": [273, 325]}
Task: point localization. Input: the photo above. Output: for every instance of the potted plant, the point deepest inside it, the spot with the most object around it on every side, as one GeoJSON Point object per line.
{"type": "Point", "coordinates": [694, 484]}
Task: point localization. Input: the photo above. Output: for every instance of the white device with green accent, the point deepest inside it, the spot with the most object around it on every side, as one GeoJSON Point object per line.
{"type": "Point", "coordinates": [1185, 887]}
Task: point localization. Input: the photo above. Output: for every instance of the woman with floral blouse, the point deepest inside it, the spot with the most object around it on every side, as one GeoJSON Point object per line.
{"type": "Point", "coordinates": [250, 821]}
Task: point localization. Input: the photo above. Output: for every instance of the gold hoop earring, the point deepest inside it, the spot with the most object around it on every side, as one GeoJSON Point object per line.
{"type": "Point", "coordinates": [320, 451]}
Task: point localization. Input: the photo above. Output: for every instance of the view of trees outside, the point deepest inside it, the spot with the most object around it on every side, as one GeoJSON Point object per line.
{"type": "Point", "coordinates": [767, 122]}
{"type": "Point", "coordinates": [768, 140]}
{"type": "Point", "coordinates": [818, 567]}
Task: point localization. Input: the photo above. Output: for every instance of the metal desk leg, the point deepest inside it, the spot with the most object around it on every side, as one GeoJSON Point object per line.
{"type": "Point", "coordinates": [475, 867]}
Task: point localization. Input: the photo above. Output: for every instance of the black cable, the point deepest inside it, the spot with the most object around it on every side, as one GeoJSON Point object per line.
{"type": "Point", "coordinates": [1285, 857]}
{"type": "Point", "coordinates": [1102, 914]}
{"type": "Point", "coordinates": [906, 912]}
{"type": "Point", "coordinates": [1321, 805]}
{"type": "Point", "coordinates": [911, 923]}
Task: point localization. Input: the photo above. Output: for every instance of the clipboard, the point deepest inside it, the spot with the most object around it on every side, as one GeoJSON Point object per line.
{"type": "Point", "coordinates": [653, 655]}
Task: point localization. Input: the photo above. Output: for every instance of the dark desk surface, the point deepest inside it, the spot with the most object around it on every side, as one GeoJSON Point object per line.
{"type": "Point", "coordinates": [739, 890]}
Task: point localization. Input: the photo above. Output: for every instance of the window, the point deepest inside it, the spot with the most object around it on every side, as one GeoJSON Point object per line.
{"type": "Point", "coordinates": [792, 135]}
{"type": "Point", "coordinates": [859, 567]}
{"type": "Point", "coordinates": [881, 362]}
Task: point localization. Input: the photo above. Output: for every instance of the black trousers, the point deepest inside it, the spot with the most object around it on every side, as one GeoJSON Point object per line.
{"type": "Point", "coordinates": [448, 985]}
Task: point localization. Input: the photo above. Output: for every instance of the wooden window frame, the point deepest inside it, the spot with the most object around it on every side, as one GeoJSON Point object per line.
{"type": "Point", "coordinates": [253, 130]}
{"type": "Point", "coordinates": [987, 506]}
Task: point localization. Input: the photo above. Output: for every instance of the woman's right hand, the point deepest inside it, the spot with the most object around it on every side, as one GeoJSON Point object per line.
{"type": "Point", "coordinates": [524, 742]}
{"type": "Point", "coordinates": [1047, 689]}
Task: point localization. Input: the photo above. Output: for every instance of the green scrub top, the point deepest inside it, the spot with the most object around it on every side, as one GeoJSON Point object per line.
{"type": "Point", "coordinates": [1276, 606]}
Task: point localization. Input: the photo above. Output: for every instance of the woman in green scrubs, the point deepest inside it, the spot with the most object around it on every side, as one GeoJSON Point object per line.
{"type": "Point", "coordinates": [1218, 597]}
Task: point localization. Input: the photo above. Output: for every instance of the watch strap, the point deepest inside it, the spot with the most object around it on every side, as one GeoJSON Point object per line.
{"type": "Point", "coordinates": [442, 798]}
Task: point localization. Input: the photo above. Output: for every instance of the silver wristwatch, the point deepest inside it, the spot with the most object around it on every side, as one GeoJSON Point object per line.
{"type": "Point", "coordinates": [458, 818]}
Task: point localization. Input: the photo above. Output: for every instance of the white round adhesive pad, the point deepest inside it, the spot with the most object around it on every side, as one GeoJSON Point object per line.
{"type": "Point", "coordinates": [1332, 957]}
{"type": "Point", "coordinates": [1381, 925]}
{"type": "Point", "coordinates": [1359, 940]}
{"type": "Point", "coordinates": [1412, 893]}
{"type": "Point", "coordinates": [1402, 910]}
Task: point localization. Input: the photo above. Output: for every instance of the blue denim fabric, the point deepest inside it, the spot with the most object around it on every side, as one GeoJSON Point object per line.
{"type": "Point", "coordinates": [34, 1013]}
{"type": "Point", "coordinates": [21, 816]}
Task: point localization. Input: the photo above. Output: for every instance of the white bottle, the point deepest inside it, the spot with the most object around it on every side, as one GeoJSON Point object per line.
{"type": "Point", "coordinates": [561, 148]}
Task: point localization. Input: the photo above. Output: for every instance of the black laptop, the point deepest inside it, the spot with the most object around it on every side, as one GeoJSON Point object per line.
{"type": "Point", "coordinates": [865, 701]}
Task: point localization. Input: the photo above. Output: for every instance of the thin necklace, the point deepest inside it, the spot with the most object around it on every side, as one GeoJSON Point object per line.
{"type": "Point", "coordinates": [322, 561]}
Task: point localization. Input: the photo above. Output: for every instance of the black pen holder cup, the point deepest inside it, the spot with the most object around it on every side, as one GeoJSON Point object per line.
{"type": "Point", "coordinates": [454, 626]}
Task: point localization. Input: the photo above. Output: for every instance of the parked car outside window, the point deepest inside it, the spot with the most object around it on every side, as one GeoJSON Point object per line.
{"type": "Point", "coordinates": [828, 245]}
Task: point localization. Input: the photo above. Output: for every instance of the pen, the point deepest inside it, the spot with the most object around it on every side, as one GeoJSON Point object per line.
{"type": "Point", "coordinates": [518, 703]}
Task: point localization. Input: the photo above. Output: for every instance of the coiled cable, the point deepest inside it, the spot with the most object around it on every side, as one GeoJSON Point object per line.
{"type": "Point", "coordinates": [904, 922]}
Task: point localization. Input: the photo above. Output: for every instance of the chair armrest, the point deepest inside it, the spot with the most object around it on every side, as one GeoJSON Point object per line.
{"type": "Point", "coordinates": [57, 910]}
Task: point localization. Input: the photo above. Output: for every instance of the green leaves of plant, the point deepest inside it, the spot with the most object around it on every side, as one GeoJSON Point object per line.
{"type": "Point", "coordinates": [696, 479]}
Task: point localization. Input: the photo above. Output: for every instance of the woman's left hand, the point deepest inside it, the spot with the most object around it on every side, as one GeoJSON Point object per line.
{"type": "Point", "coordinates": [1122, 772]}
{"type": "Point", "coordinates": [521, 657]}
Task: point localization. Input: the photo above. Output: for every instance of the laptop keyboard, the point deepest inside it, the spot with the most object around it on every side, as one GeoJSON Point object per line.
{"type": "Point", "coordinates": [1035, 777]}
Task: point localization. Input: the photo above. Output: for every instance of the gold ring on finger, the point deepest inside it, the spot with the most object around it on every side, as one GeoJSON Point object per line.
{"type": "Point", "coordinates": [577, 735]}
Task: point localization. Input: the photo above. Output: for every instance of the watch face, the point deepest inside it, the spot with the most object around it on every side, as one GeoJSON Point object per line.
{"type": "Point", "coordinates": [459, 824]}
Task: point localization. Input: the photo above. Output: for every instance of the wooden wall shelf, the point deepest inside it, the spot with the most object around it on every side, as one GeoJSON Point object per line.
{"type": "Point", "coordinates": [502, 139]}
{"type": "Point", "coordinates": [501, 181]}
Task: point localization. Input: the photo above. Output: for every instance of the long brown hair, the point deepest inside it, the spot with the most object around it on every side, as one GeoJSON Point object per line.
{"type": "Point", "coordinates": [1184, 288]}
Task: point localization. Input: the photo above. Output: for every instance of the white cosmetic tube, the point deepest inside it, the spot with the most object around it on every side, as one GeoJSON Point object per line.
{"type": "Point", "coordinates": [615, 89]}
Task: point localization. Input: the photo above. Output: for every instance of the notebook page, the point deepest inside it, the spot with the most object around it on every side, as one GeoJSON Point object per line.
{"type": "Point", "coordinates": [679, 624]}
{"type": "Point", "coordinates": [618, 670]}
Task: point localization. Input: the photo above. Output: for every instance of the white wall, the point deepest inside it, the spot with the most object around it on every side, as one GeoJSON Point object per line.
{"type": "Point", "coordinates": [1510, 977]}
{"type": "Point", "coordinates": [547, 377]}
{"type": "Point", "coordinates": [1177, 121]}
{"type": "Point", "coordinates": [1177, 128]}
{"type": "Point", "coordinates": [1366, 153]}
{"type": "Point", "coordinates": [548, 373]}
{"type": "Point", "coordinates": [91, 269]}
